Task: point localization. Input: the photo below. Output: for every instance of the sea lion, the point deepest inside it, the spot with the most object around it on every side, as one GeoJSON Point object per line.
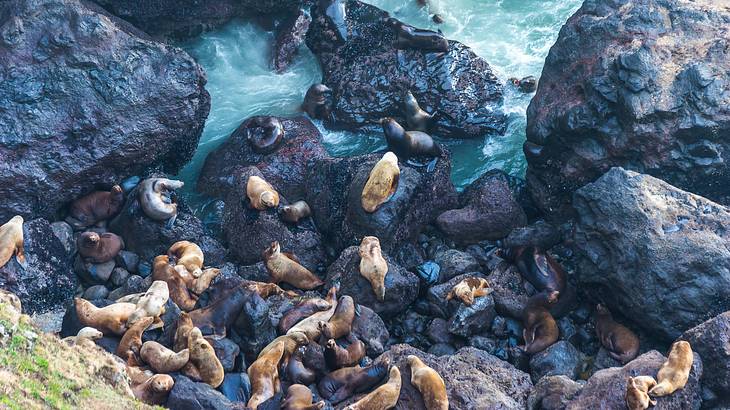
{"type": "Point", "coordinates": [540, 329]}
{"type": "Point", "coordinates": [340, 324]}
{"type": "Point", "coordinates": [384, 397]}
{"type": "Point", "coordinates": [154, 198]}
{"type": "Point", "coordinates": [265, 289]}
{"type": "Point", "coordinates": [132, 339]}
{"type": "Point", "coordinates": [318, 102]}
{"type": "Point", "coordinates": [429, 383]}
{"type": "Point", "coordinates": [162, 359]}
{"type": "Point", "coordinates": [109, 319]}
{"type": "Point", "coordinates": [468, 289]}
{"type": "Point", "coordinates": [416, 38]}
{"type": "Point", "coordinates": [416, 118]}
{"type": "Point", "coordinates": [284, 267]}
{"type": "Point", "coordinates": [622, 344]}
{"type": "Point", "coordinates": [201, 284]}
{"type": "Point", "coordinates": [296, 372]}
{"type": "Point", "coordinates": [408, 144]}
{"type": "Point", "coordinates": [295, 212]}
{"type": "Point", "coordinates": [151, 304]}
{"type": "Point", "coordinates": [343, 383]}
{"type": "Point", "coordinates": [373, 266]}
{"type": "Point", "coordinates": [203, 364]}
{"type": "Point", "coordinates": [189, 255]}
{"type": "Point", "coordinates": [85, 337]}
{"type": "Point", "coordinates": [526, 85]}
{"type": "Point", "coordinates": [381, 184]}
{"type": "Point", "coordinates": [184, 326]}
{"type": "Point", "coordinates": [337, 357]}
{"type": "Point", "coordinates": [303, 310]}
{"type": "Point", "coordinates": [637, 397]}
{"type": "Point", "coordinates": [264, 376]}
{"type": "Point", "coordinates": [291, 343]}
{"type": "Point", "coordinates": [264, 134]}
{"type": "Point", "coordinates": [217, 317]}
{"type": "Point", "coordinates": [538, 267]}
{"type": "Point", "coordinates": [310, 325]}
{"type": "Point", "coordinates": [95, 207]}
{"type": "Point", "coordinates": [261, 194]}
{"type": "Point", "coordinates": [11, 242]}
{"type": "Point", "coordinates": [673, 374]}
{"type": "Point", "coordinates": [97, 248]}
{"type": "Point", "coordinates": [137, 374]}
{"type": "Point", "coordinates": [178, 289]}
{"type": "Point", "coordinates": [155, 390]}
{"type": "Point", "coordinates": [299, 397]}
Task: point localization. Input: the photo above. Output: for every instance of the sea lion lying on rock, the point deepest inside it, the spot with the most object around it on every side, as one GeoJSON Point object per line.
{"type": "Point", "coordinates": [637, 397]}
{"type": "Point", "coordinates": [151, 304]}
{"type": "Point", "coordinates": [303, 310]}
{"type": "Point", "coordinates": [384, 397]}
{"type": "Point", "coordinates": [85, 337]}
{"type": "Point", "coordinates": [264, 376]}
{"type": "Point", "coordinates": [310, 325]}
{"type": "Point", "coordinates": [95, 207]}
{"type": "Point", "coordinates": [537, 267]}
{"type": "Point", "coordinates": [291, 343]}
{"type": "Point", "coordinates": [95, 248]}
{"type": "Point", "coordinates": [297, 372]}
{"type": "Point", "coordinates": [429, 383]}
{"type": "Point", "coordinates": [285, 267]}
{"type": "Point", "coordinates": [109, 319]}
{"type": "Point", "coordinates": [215, 318]}
{"type": "Point", "coordinates": [340, 324]}
{"type": "Point", "coordinates": [264, 134]}
{"type": "Point", "coordinates": [407, 144]}
{"type": "Point", "coordinates": [204, 365]}
{"type": "Point", "coordinates": [381, 184]}
{"type": "Point", "coordinates": [673, 374]}
{"type": "Point", "coordinates": [337, 357]}
{"type": "Point", "coordinates": [540, 330]}
{"type": "Point", "coordinates": [416, 118]}
{"type": "Point", "coordinates": [132, 340]}
{"type": "Point", "coordinates": [189, 255]}
{"type": "Point", "coordinates": [154, 390]}
{"type": "Point", "coordinates": [372, 265]}
{"type": "Point", "coordinates": [299, 397]}
{"type": "Point", "coordinates": [295, 212]}
{"type": "Point", "coordinates": [468, 289]}
{"type": "Point", "coordinates": [261, 194]}
{"type": "Point", "coordinates": [622, 344]}
{"type": "Point", "coordinates": [178, 289]}
{"type": "Point", "coordinates": [11, 241]}
{"type": "Point", "coordinates": [154, 198]}
{"type": "Point", "coordinates": [162, 359]}
{"type": "Point", "coordinates": [343, 383]}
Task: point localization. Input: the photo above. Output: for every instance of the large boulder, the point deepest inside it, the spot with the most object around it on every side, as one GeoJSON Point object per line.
{"type": "Point", "coordinates": [711, 340]}
{"type": "Point", "coordinates": [553, 393]}
{"type": "Point", "coordinates": [86, 102]}
{"type": "Point", "coordinates": [652, 252]}
{"type": "Point", "coordinates": [189, 395]}
{"type": "Point", "coordinates": [638, 85]}
{"type": "Point", "coordinates": [368, 74]}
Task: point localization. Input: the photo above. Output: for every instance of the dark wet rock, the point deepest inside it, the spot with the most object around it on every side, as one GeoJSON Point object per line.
{"type": "Point", "coordinates": [334, 190]}
{"type": "Point", "coordinates": [437, 296]}
{"type": "Point", "coordinates": [606, 389]}
{"type": "Point", "coordinates": [289, 37]}
{"type": "Point", "coordinates": [441, 349]}
{"type": "Point", "coordinates": [487, 344]}
{"type": "Point", "coordinates": [438, 331]}
{"type": "Point", "coordinates": [190, 395]}
{"type": "Point", "coordinates": [540, 234]}
{"type": "Point", "coordinates": [128, 260]}
{"type": "Point", "coordinates": [510, 297]}
{"type": "Point", "coordinates": [454, 262]}
{"type": "Point", "coordinates": [368, 75]}
{"type": "Point", "coordinates": [144, 269]}
{"type": "Point", "coordinates": [506, 328]}
{"type": "Point", "coordinates": [410, 256]}
{"type": "Point", "coordinates": [604, 360]}
{"type": "Point", "coordinates": [236, 387]}
{"type": "Point", "coordinates": [401, 286]}
{"type": "Point", "coordinates": [80, 118]}
{"type": "Point", "coordinates": [561, 358]}
{"type": "Point", "coordinates": [96, 292]}
{"type": "Point", "coordinates": [284, 169]}
{"type": "Point", "coordinates": [474, 379]}
{"type": "Point", "coordinates": [429, 272]}
{"type": "Point", "coordinates": [371, 330]}
{"type": "Point", "coordinates": [254, 326]}
{"type": "Point", "coordinates": [49, 280]}
{"type": "Point", "coordinates": [133, 284]}
{"type": "Point", "coordinates": [633, 226]}
{"type": "Point", "coordinates": [470, 320]}
{"type": "Point", "coordinates": [553, 393]}
{"type": "Point", "coordinates": [119, 277]}
{"type": "Point", "coordinates": [93, 273]}
{"type": "Point", "coordinates": [488, 211]}
{"type": "Point", "coordinates": [641, 87]}
{"type": "Point", "coordinates": [711, 340]}
{"type": "Point", "coordinates": [226, 351]}
{"type": "Point", "coordinates": [108, 343]}
{"type": "Point", "coordinates": [65, 234]}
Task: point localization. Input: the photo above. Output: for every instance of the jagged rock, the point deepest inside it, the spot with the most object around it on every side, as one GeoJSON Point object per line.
{"type": "Point", "coordinates": [711, 340]}
{"type": "Point", "coordinates": [119, 276]}
{"type": "Point", "coordinates": [553, 393]}
{"type": "Point", "coordinates": [96, 292]}
{"type": "Point", "coordinates": [470, 320]}
{"type": "Point", "coordinates": [254, 326]}
{"type": "Point", "coordinates": [540, 234]}
{"type": "Point", "coordinates": [454, 262]}
{"type": "Point", "coordinates": [438, 331]}
{"type": "Point", "coordinates": [226, 351]}
{"type": "Point", "coordinates": [369, 327]}
{"type": "Point", "coordinates": [561, 358]}
{"type": "Point", "coordinates": [510, 297]}
{"type": "Point", "coordinates": [236, 387]}
{"type": "Point", "coordinates": [65, 234]}
{"type": "Point", "coordinates": [289, 37]}
{"type": "Point", "coordinates": [189, 395]}
{"type": "Point", "coordinates": [128, 260]}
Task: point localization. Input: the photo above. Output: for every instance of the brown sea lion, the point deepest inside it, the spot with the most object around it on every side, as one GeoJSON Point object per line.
{"type": "Point", "coordinates": [408, 144]}
{"type": "Point", "coordinates": [337, 357]}
{"type": "Point", "coordinates": [373, 266]}
{"type": "Point", "coordinates": [303, 310]}
{"type": "Point", "coordinates": [137, 374]}
{"type": "Point", "coordinates": [310, 325]}
{"type": "Point", "coordinates": [343, 383]}
{"type": "Point", "coordinates": [189, 255]}
{"type": "Point", "coordinates": [179, 293]}
{"type": "Point", "coordinates": [154, 198]}
{"type": "Point", "coordinates": [203, 364]}
{"type": "Point", "coordinates": [155, 390]}
{"type": "Point", "coordinates": [162, 359]}
{"type": "Point", "coordinates": [674, 373]}
{"type": "Point", "coordinates": [468, 289]}
{"type": "Point", "coordinates": [384, 397]}
{"type": "Point", "coordinates": [132, 339]}
{"type": "Point", "coordinates": [622, 344]}
{"type": "Point", "coordinates": [215, 318]}
{"type": "Point", "coordinates": [299, 397]}
{"type": "Point", "coordinates": [109, 319]}
{"type": "Point", "coordinates": [429, 383]}
{"type": "Point", "coordinates": [416, 118]}
{"type": "Point", "coordinates": [318, 102]}
{"type": "Point", "coordinates": [264, 134]}
{"type": "Point", "coordinates": [264, 376]}
{"type": "Point", "coordinates": [340, 324]}
{"type": "Point", "coordinates": [95, 207]}
{"type": "Point", "coordinates": [540, 329]}
{"type": "Point", "coordinates": [381, 184]}
{"type": "Point", "coordinates": [537, 267]}
{"type": "Point", "coordinates": [265, 289]}
{"type": "Point", "coordinates": [295, 212]}
{"type": "Point", "coordinates": [297, 372]}
{"type": "Point", "coordinates": [261, 194]}
{"type": "Point", "coordinates": [184, 326]}
{"type": "Point", "coordinates": [637, 397]}
{"type": "Point", "coordinates": [409, 37]}
{"type": "Point", "coordinates": [291, 343]}
{"type": "Point", "coordinates": [284, 267]}
{"type": "Point", "coordinates": [151, 304]}
{"type": "Point", "coordinates": [11, 241]}
{"type": "Point", "coordinates": [97, 248]}
{"type": "Point", "coordinates": [201, 284]}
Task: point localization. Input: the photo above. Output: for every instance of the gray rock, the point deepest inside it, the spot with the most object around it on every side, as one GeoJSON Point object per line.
{"type": "Point", "coordinates": [119, 276]}
{"type": "Point", "coordinates": [236, 387]}
{"type": "Point", "coordinates": [94, 273]}
{"type": "Point", "coordinates": [711, 340]}
{"type": "Point", "coordinates": [603, 360]}
{"type": "Point", "coordinates": [96, 292]}
{"type": "Point", "coordinates": [441, 349]}
{"type": "Point", "coordinates": [471, 320]}
{"type": "Point", "coordinates": [553, 393]}
{"type": "Point", "coordinates": [510, 296]}
{"type": "Point", "coordinates": [438, 331]}
{"type": "Point", "coordinates": [454, 262]}
{"type": "Point", "coordinates": [289, 38]}
{"type": "Point", "coordinates": [561, 358]}
{"type": "Point", "coordinates": [226, 351]}
{"type": "Point", "coordinates": [190, 395]}
{"type": "Point", "coordinates": [369, 327]}
{"type": "Point", "coordinates": [65, 234]}
{"type": "Point", "coordinates": [128, 260]}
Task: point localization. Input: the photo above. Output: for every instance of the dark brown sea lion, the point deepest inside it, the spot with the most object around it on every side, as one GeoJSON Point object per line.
{"type": "Point", "coordinates": [184, 326]}
{"type": "Point", "coordinates": [215, 318]}
{"type": "Point", "coordinates": [11, 241]}
{"type": "Point", "coordinates": [622, 344]}
{"type": "Point", "coordinates": [296, 372]}
{"type": "Point", "coordinates": [416, 118]}
{"type": "Point", "coordinates": [408, 144]}
{"type": "Point", "coordinates": [537, 267]}
{"type": "Point", "coordinates": [154, 390]}
{"type": "Point", "coordinates": [337, 357]}
{"type": "Point", "coordinates": [526, 85]}
{"type": "Point", "coordinates": [416, 38]}
{"type": "Point", "coordinates": [382, 398]}
{"type": "Point", "coordinates": [295, 212]}
{"type": "Point", "coordinates": [179, 293]}
{"type": "Point", "coordinates": [343, 383]}
{"type": "Point", "coordinates": [97, 248]}
{"type": "Point", "coordinates": [303, 310]}
{"type": "Point", "coordinates": [540, 330]}
{"type": "Point", "coordinates": [340, 324]}
{"type": "Point", "coordinates": [299, 397]}
{"type": "Point", "coordinates": [95, 207]}
{"type": "Point", "coordinates": [318, 102]}
{"type": "Point", "coordinates": [264, 134]}
{"type": "Point", "coordinates": [284, 267]}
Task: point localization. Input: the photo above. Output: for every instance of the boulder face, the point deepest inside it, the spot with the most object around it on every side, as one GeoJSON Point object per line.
{"type": "Point", "coordinates": [76, 115]}
{"type": "Point", "coordinates": [368, 75]}
{"type": "Point", "coordinates": [711, 340]}
{"type": "Point", "coordinates": [638, 85]}
{"type": "Point", "coordinates": [652, 251]}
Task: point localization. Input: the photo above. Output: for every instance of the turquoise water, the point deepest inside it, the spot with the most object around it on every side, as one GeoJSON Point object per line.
{"type": "Point", "coordinates": [514, 36]}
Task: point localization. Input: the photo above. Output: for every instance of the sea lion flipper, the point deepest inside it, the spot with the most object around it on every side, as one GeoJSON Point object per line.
{"type": "Point", "coordinates": [157, 324]}
{"type": "Point", "coordinates": [291, 256]}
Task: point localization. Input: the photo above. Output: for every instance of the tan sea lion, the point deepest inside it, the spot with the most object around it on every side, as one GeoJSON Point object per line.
{"type": "Point", "coordinates": [132, 339]}
{"type": "Point", "coordinates": [299, 397]}
{"type": "Point", "coordinates": [416, 118]}
{"type": "Point", "coordinates": [154, 198]}
{"type": "Point", "coordinates": [468, 289]}
{"type": "Point", "coordinates": [151, 304]}
{"type": "Point", "coordinates": [162, 359]}
{"type": "Point", "coordinates": [97, 248]}
{"type": "Point", "coordinates": [201, 284]}
{"type": "Point", "coordinates": [184, 326]}
{"type": "Point", "coordinates": [179, 293]}
{"type": "Point", "coordinates": [540, 329]}
{"type": "Point", "coordinates": [622, 344]}
{"type": "Point", "coordinates": [295, 212]}
{"type": "Point", "coordinates": [408, 144]}
{"type": "Point", "coordinates": [310, 325]}
{"type": "Point", "coordinates": [637, 397]}
{"type": "Point", "coordinates": [109, 319]}
{"type": "Point", "coordinates": [11, 241]}
{"type": "Point", "coordinates": [261, 194]}
{"type": "Point", "coordinates": [264, 376]}
{"type": "Point", "coordinates": [291, 343]}
{"type": "Point", "coordinates": [284, 267]}
{"type": "Point", "coordinates": [204, 364]}
{"type": "Point", "coordinates": [137, 374]}
{"type": "Point", "coordinates": [303, 310]}
{"type": "Point", "coordinates": [189, 255]}
{"type": "Point", "coordinates": [674, 373]}
{"type": "Point", "coordinates": [337, 357]}
{"type": "Point", "coordinates": [340, 324]}
{"type": "Point", "coordinates": [343, 383]}
{"type": "Point", "coordinates": [429, 383]}
{"type": "Point", "coordinates": [373, 266]}
{"type": "Point", "coordinates": [265, 289]}
{"type": "Point", "coordinates": [297, 372]}
{"type": "Point", "coordinates": [381, 184]}
{"type": "Point", "coordinates": [155, 390]}
{"type": "Point", "coordinates": [384, 397]}
{"type": "Point", "coordinates": [85, 337]}
{"type": "Point", "coordinates": [95, 207]}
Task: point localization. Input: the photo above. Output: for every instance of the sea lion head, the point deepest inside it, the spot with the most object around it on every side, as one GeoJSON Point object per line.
{"type": "Point", "coordinates": [89, 239]}
{"type": "Point", "coordinates": [412, 360]}
{"type": "Point", "coordinates": [268, 199]}
{"type": "Point", "coordinates": [89, 333]}
{"type": "Point", "coordinates": [553, 296]}
{"type": "Point", "coordinates": [117, 194]}
{"type": "Point", "coordinates": [331, 344]}
{"type": "Point", "coordinates": [682, 347]}
{"type": "Point", "coordinates": [300, 338]}
{"type": "Point", "coordinates": [514, 80]}
{"type": "Point", "coordinates": [161, 383]}
{"type": "Point", "coordinates": [272, 250]}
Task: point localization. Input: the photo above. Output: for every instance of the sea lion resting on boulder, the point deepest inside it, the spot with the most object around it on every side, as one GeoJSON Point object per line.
{"type": "Point", "coordinates": [264, 376]}
{"type": "Point", "coordinates": [132, 340]}
{"type": "Point", "coordinates": [261, 194]}
{"type": "Point", "coordinates": [265, 289]}
{"type": "Point", "coordinates": [154, 198]}
{"type": "Point", "coordinates": [291, 343]}
{"type": "Point", "coordinates": [381, 184]}
{"type": "Point", "coordinates": [343, 383]}
{"type": "Point", "coordinates": [162, 359]}
{"type": "Point", "coordinates": [109, 319]}
{"type": "Point", "coordinates": [152, 304]}
{"type": "Point", "coordinates": [373, 266]}
{"type": "Point", "coordinates": [416, 118]}
{"type": "Point", "coordinates": [204, 364]}
{"type": "Point", "coordinates": [384, 397]}
{"type": "Point", "coordinates": [637, 397]}
{"type": "Point", "coordinates": [218, 316]}
{"type": "Point", "coordinates": [318, 102]}
{"type": "Point", "coordinates": [295, 212]}
{"type": "Point", "coordinates": [337, 357]}
{"type": "Point", "coordinates": [85, 337]}
{"type": "Point", "coordinates": [310, 325]}
{"type": "Point", "coordinates": [468, 289]}
{"type": "Point", "coordinates": [299, 397]}
{"type": "Point", "coordinates": [411, 37]}
{"type": "Point", "coordinates": [154, 390]}
{"type": "Point", "coordinates": [429, 383]}
{"type": "Point", "coordinates": [97, 248]}
{"type": "Point", "coordinates": [407, 144]}
{"type": "Point", "coordinates": [285, 267]}
{"type": "Point", "coordinates": [674, 373]}
{"type": "Point", "coordinates": [540, 330]}
{"type": "Point", "coordinates": [538, 267]}
{"type": "Point", "coordinates": [622, 344]}
{"type": "Point", "coordinates": [301, 311]}
{"type": "Point", "coordinates": [95, 207]}
{"type": "Point", "coordinates": [162, 270]}
{"type": "Point", "coordinates": [297, 372]}
{"type": "Point", "coordinates": [184, 327]}
{"type": "Point", "coordinates": [11, 241]}
{"type": "Point", "coordinates": [188, 255]}
{"type": "Point", "coordinates": [340, 324]}
{"type": "Point", "coordinates": [264, 134]}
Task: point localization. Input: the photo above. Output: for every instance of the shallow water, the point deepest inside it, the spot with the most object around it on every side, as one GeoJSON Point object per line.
{"type": "Point", "coordinates": [514, 36]}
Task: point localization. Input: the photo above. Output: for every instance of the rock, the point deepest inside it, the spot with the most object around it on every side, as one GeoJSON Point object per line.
{"type": "Point", "coordinates": [76, 130]}
{"type": "Point", "coordinates": [134, 284]}
{"type": "Point", "coordinates": [487, 344]}
{"type": "Point", "coordinates": [540, 234]}
{"type": "Point", "coordinates": [49, 280]}
{"type": "Point", "coordinates": [368, 75]}
{"type": "Point", "coordinates": [561, 358]}
{"type": "Point", "coordinates": [401, 286]}
{"type": "Point", "coordinates": [488, 211]}
{"type": "Point", "coordinates": [96, 292]}
{"type": "Point", "coordinates": [633, 226]}
{"type": "Point", "coordinates": [254, 326]}
{"type": "Point", "coordinates": [454, 262]}
{"type": "Point", "coordinates": [226, 351]}
{"type": "Point", "coordinates": [438, 331]}
{"type": "Point", "coordinates": [438, 304]}
{"type": "Point", "coordinates": [49, 322]}
{"type": "Point", "coordinates": [369, 327]}
{"type": "Point", "coordinates": [128, 260]}
{"type": "Point", "coordinates": [553, 393]}
{"type": "Point", "coordinates": [190, 395]}
{"type": "Point", "coordinates": [166, 335]}
{"type": "Point", "coordinates": [510, 297]}
{"type": "Point", "coordinates": [474, 379]}
{"type": "Point", "coordinates": [94, 273]}
{"type": "Point", "coordinates": [470, 320]}
{"type": "Point", "coordinates": [606, 389]}
{"type": "Point", "coordinates": [65, 234]}
{"type": "Point", "coordinates": [334, 191]}
{"type": "Point", "coordinates": [655, 104]}
{"type": "Point", "coordinates": [284, 169]}
{"type": "Point", "coordinates": [603, 360]}
{"type": "Point", "coordinates": [289, 37]}
{"type": "Point", "coordinates": [119, 277]}
{"type": "Point", "coordinates": [711, 340]}
{"type": "Point", "coordinates": [236, 387]}
{"type": "Point", "coordinates": [441, 349]}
